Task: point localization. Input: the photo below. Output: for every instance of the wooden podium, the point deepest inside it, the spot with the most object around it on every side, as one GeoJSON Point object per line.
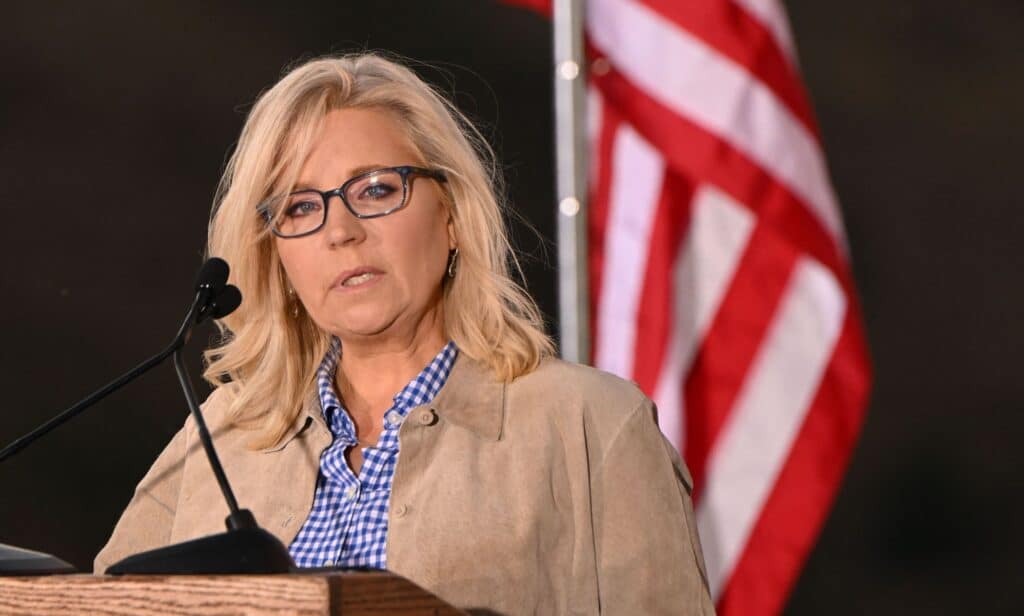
{"type": "Point", "coordinates": [321, 594]}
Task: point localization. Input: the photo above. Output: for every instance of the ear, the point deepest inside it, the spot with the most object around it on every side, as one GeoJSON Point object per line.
{"type": "Point", "coordinates": [452, 244]}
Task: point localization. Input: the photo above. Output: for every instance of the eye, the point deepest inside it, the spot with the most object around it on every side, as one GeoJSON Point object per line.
{"type": "Point", "coordinates": [302, 206]}
{"type": "Point", "coordinates": [376, 191]}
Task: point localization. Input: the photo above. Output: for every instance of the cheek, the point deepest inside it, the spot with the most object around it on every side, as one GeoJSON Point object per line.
{"type": "Point", "coordinates": [421, 255]}
{"type": "Point", "coordinates": [295, 267]}
{"type": "Point", "coordinates": [432, 256]}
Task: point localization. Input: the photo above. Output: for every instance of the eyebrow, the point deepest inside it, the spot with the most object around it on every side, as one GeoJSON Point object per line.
{"type": "Point", "coordinates": [300, 186]}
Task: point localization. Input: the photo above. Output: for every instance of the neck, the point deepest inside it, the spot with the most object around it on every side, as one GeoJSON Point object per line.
{"type": "Point", "coordinates": [371, 371]}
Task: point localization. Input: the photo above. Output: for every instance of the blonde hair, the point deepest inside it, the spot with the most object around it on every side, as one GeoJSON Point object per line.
{"type": "Point", "coordinates": [267, 359]}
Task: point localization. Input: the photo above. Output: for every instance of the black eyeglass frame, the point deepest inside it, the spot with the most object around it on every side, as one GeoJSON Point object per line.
{"type": "Point", "coordinates": [404, 171]}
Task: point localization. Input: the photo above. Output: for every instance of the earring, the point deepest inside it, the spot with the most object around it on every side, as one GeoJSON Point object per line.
{"type": "Point", "coordinates": [293, 299]}
{"type": "Point", "coordinates": [453, 257]}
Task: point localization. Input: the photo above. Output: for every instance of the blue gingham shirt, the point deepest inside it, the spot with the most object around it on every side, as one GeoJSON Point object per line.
{"type": "Point", "coordinates": [348, 525]}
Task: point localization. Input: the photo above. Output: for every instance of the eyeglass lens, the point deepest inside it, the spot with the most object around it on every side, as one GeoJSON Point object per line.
{"type": "Point", "coordinates": [304, 211]}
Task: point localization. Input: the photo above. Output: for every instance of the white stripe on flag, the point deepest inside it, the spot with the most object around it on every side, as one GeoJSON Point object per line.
{"type": "Point", "coordinates": [711, 90]}
{"type": "Point", "coordinates": [772, 16]}
{"type": "Point", "coordinates": [702, 272]}
{"type": "Point", "coordinates": [756, 438]}
{"type": "Point", "coordinates": [638, 172]}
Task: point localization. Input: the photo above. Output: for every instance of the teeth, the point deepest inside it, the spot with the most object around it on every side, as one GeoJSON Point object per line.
{"type": "Point", "coordinates": [354, 280]}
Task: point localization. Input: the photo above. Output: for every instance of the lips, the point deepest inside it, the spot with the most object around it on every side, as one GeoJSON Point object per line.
{"type": "Point", "coordinates": [353, 278]}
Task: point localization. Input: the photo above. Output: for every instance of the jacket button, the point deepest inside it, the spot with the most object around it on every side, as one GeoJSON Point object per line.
{"type": "Point", "coordinates": [401, 510]}
{"type": "Point", "coordinates": [426, 417]}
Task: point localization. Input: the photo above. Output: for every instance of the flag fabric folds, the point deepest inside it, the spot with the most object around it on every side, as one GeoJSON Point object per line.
{"type": "Point", "coordinates": [719, 272]}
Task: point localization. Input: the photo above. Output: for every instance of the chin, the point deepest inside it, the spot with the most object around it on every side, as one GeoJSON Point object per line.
{"type": "Point", "coordinates": [355, 333]}
{"type": "Point", "coordinates": [361, 325]}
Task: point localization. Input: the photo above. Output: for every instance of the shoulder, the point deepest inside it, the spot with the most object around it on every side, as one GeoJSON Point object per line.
{"type": "Point", "coordinates": [214, 409]}
{"type": "Point", "coordinates": [568, 381]}
{"type": "Point", "coordinates": [573, 392]}
{"type": "Point", "coordinates": [219, 419]}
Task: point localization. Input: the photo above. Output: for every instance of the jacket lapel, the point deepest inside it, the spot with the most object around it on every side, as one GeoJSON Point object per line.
{"type": "Point", "coordinates": [472, 399]}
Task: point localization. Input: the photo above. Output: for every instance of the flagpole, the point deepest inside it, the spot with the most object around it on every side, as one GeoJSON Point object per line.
{"type": "Point", "coordinates": [570, 158]}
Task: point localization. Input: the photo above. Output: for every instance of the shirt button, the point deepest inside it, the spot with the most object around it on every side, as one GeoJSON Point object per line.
{"type": "Point", "coordinates": [393, 418]}
{"type": "Point", "coordinates": [350, 492]}
{"type": "Point", "coordinates": [426, 417]}
{"type": "Point", "coordinates": [328, 563]}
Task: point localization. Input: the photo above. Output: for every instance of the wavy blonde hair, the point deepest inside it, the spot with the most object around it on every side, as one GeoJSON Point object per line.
{"type": "Point", "coordinates": [267, 358]}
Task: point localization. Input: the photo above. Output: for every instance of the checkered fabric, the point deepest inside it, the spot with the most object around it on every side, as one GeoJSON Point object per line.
{"type": "Point", "coordinates": [348, 525]}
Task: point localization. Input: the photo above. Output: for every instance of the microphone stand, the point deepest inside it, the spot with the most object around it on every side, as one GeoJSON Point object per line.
{"type": "Point", "coordinates": [19, 561]}
{"type": "Point", "coordinates": [245, 547]}
{"type": "Point", "coordinates": [237, 518]}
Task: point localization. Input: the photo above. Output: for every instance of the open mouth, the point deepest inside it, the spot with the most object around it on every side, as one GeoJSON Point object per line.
{"type": "Point", "coordinates": [353, 281]}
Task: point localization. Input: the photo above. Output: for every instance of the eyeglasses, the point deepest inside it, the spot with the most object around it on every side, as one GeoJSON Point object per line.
{"type": "Point", "coordinates": [368, 195]}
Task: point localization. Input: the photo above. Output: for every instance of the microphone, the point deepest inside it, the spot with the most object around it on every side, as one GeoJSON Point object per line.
{"type": "Point", "coordinates": [210, 281]}
{"type": "Point", "coordinates": [212, 275]}
{"type": "Point", "coordinates": [224, 303]}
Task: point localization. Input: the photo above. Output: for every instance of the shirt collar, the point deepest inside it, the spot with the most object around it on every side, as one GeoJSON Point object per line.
{"type": "Point", "coordinates": [424, 386]}
{"type": "Point", "coordinates": [325, 381]}
{"type": "Point", "coordinates": [420, 390]}
{"type": "Point", "coordinates": [471, 398]}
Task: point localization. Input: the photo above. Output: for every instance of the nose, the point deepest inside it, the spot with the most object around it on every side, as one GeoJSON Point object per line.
{"type": "Point", "coordinates": [341, 226]}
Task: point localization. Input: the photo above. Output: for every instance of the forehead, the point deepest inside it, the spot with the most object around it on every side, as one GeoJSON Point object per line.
{"type": "Point", "coordinates": [351, 140]}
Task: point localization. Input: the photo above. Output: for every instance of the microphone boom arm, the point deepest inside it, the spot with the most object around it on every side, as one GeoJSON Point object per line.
{"type": "Point", "coordinates": [245, 548]}
{"type": "Point", "coordinates": [179, 341]}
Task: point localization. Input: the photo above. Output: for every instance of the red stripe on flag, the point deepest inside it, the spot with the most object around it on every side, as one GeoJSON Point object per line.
{"type": "Point", "coordinates": [737, 35]}
{"type": "Point", "coordinates": [541, 6]}
{"type": "Point", "coordinates": [707, 157]}
{"type": "Point", "coordinates": [597, 213]}
{"type": "Point", "coordinates": [792, 516]}
{"type": "Point", "coordinates": [655, 310]}
{"type": "Point", "coordinates": [727, 352]}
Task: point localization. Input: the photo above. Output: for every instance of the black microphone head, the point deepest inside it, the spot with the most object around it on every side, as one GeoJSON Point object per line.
{"type": "Point", "coordinates": [212, 275]}
{"type": "Point", "coordinates": [226, 303]}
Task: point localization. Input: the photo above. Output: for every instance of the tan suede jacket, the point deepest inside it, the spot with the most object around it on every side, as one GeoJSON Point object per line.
{"type": "Point", "coordinates": [555, 494]}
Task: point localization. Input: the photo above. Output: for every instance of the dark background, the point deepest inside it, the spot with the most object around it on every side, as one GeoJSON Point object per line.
{"type": "Point", "coordinates": [116, 119]}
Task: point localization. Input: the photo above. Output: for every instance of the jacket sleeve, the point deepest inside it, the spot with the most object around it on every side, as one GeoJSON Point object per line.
{"type": "Point", "coordinates": [146, 522]}
{"type": "Point", "coordinates": [648, 553]}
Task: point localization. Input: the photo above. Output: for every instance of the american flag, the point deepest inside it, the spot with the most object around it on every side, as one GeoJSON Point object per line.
{"type": "Point", "coordinates": [719, 273]}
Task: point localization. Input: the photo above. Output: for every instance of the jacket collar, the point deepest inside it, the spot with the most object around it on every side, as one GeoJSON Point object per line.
{"type": "Point", "coordinates": [309, 415]}
{"type": "Point", "coordinates": [472, 398]}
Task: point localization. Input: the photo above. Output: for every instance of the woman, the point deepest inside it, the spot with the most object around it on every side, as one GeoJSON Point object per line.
{"type": "Point", "coordinates": [363, 229]}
